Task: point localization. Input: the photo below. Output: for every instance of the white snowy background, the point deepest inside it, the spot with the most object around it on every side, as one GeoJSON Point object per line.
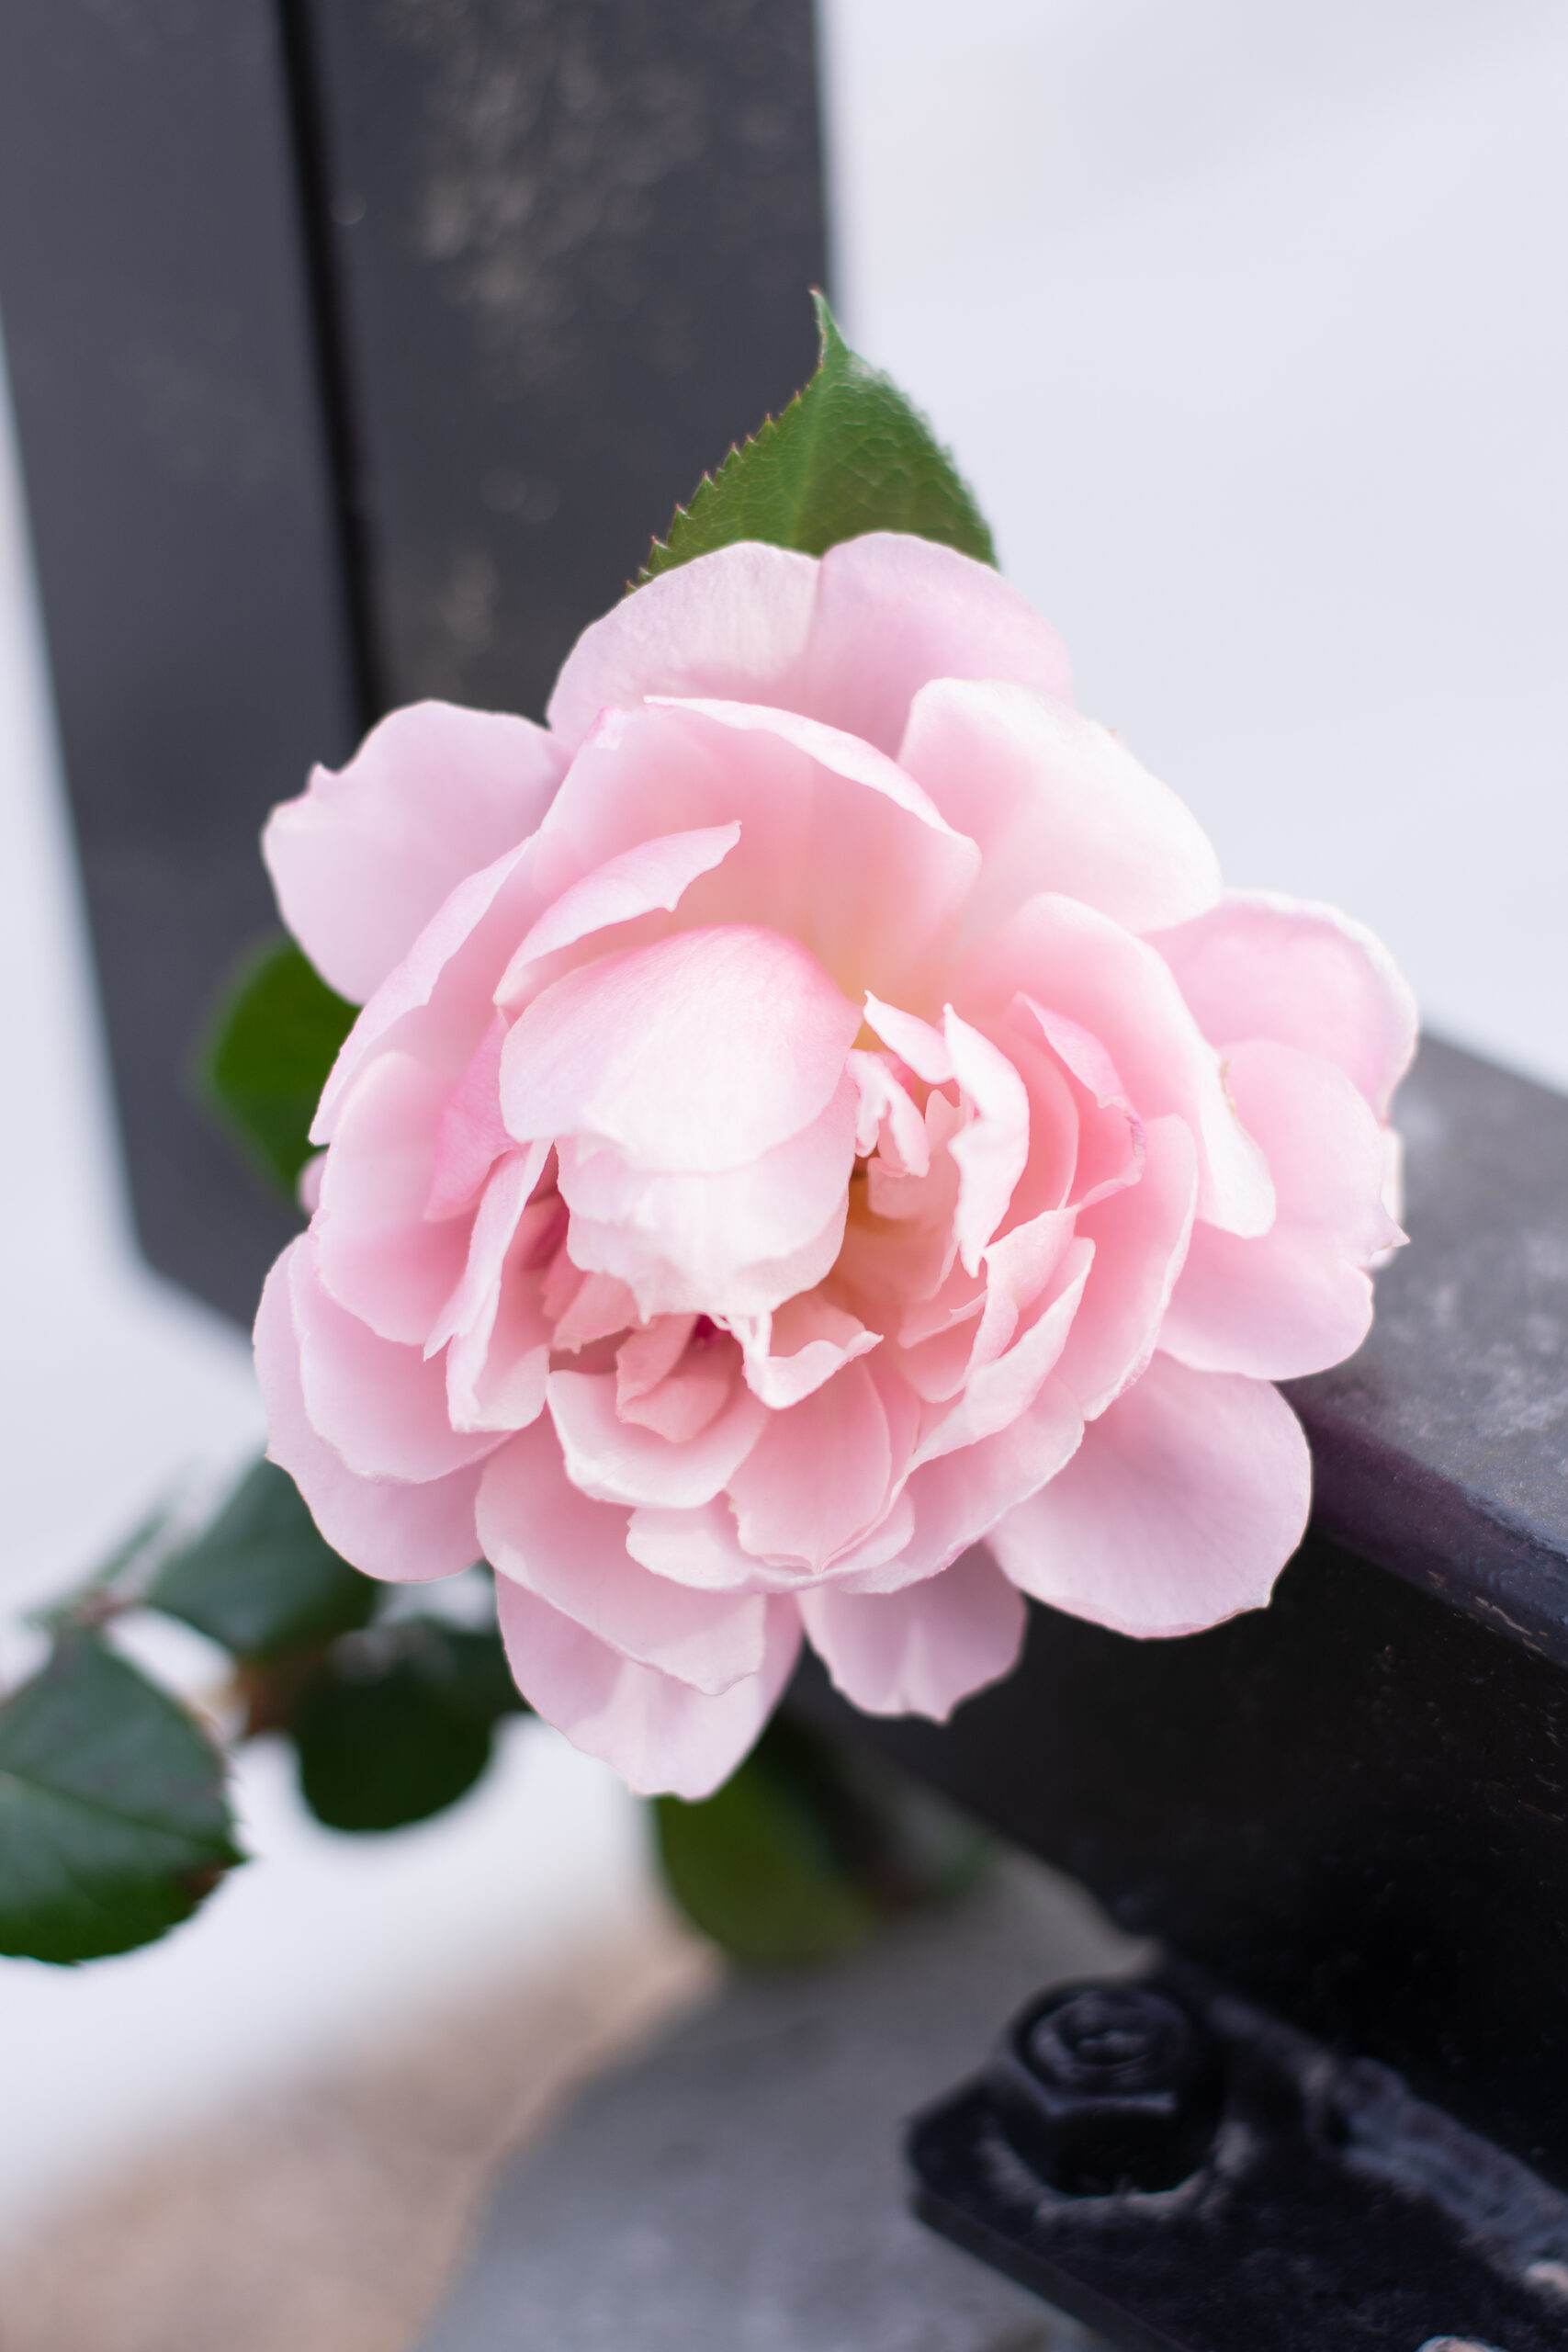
{"type": "Point", "coordinates": [1246, 324]}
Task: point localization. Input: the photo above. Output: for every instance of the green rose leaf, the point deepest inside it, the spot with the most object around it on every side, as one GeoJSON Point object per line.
{"type": "Point", "coordinates": [761, 1866]}
{"type": "Point", "coordinates": [397, 1723]}
{"type": "Point", "coordinates": [114, 1823]}
{"type": "Point", "coordinates": [273, 1039]}
{"type": "Point", "coordinates": [809, 1846]}
{"type": "Point", "coordinates": [262, 1578]}
{"type": "Point", "coordinates": [849, 454]}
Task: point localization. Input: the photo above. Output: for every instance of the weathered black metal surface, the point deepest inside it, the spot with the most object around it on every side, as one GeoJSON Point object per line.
{"type": "Point", "coordinates": [1351, 1807]}
{"type": "Point", "coordinates": [1331, 2212]}
{"type": "Point", "coordinates": [573, 240]}
{"type": "Point", "coordinates": [165, 388]}
{"type": "Point", "coordinates": [1441, 1449]}
{"type": "Point", "coordinates": [360, 346]}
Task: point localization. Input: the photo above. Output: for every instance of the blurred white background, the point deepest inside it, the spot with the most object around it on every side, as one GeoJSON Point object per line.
{"type": "Point", "coordinates": [1246, 322]}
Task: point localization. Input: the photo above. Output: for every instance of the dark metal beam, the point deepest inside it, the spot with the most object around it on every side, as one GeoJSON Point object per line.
{"type": "Point", "coordinates": [166, 391]}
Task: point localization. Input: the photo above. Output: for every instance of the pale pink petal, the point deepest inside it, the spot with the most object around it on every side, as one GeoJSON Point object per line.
{"type": "Point", "coordinates": [916, 1042]}
{"type": "Point", "coordinates": [365, 857]}
{"type": "Point", "coordinates": [1059, 1108]}
{"type": "Point", "coordinates": [734, 623]}
{"type": "Point", "coordinates": [374, 1249]}
{"type": "Point", "coordinates": [893, 610]}
{"type": "Point", "coordinates": [698, 1053]}
{"type": "Point", "coordinates": [998, 1392]}
{"type": "Point", "coordinates": [938, 1355]}
{"type": "Point", "coordinates": [648, 1356]}
{"type": "Point", "coordinates": [898, 1248]}
{"type": "Point", "coordinates": [837, 847]}
{"type": "Point", "coordinates": [792, 1352]}
{"type": "Point", "coordinates": [1056, 802]}
{"type": "Point", "coordinates": [660, 1735]}
{"type": "Point", "coordinates": [818, 1475]}
{"type": "Point", "coordinates": [540, 1531]}
{"type": "Point", "coordinates": [1068, 956]}
{"type": "Point", "coordinates": [1179, 1509]}
{"type": "Point", "coordinates": [640, 881]}
{"type": "Point", "coordinates": [867, 1558]}
{"type": "Point", "coordinates": [1107, 1131]}
{"type": "Point", "coordinates": [699, 1547]}
{"type": "Point", "coordinates": [489, 1238]}
{"type": "Point", "coordinates": [921, 1650]}
{"type": "Point", "coordinates": [690, 1394]}
{"type": "Point", "coordinates": [737, 1243]}
{"type": "Point", "coordinates": [617, 1461]}
{"type": "Point", "coordinates": [470, 1134]}
{"type": "Point", "coordinates": [438, 1003]}
{"type": "Point", "coordinates": [400, 1532]}
{"type": "Point", "coordinates": [1141, 1235]}
{"type": "Point", "coordinates": [380, 1406]}
{"type": "Point", "coordinates": [496, 1372]}
{"type": "Point", "coordinates": [961, 1497]}
{"type": "Point", "coordinates": [1261, 965]}
{"type": "Point", "coordinates": [1300, 1297]}
{"type": "Point", "coordinates": [992, 1148]}
{"type": "Point", "coordinates": [887, 1122]}
{"type": "Point", "coordinates": [601, 1309]}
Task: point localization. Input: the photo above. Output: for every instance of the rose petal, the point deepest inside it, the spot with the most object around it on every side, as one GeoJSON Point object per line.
{"type": "Point", "coordinates": [698, 1548]}
{"type": "Point", "coordinates": [381, 1407]}
{"type": "Point", "coordinates": [1141, 1237]}
{"type": "Point", "coordinates": [1261, 965]}
{"type": "Point", "coordinates": [438, 1003]}
{"type": "Point", "coordinates": [887, 1122]}
{"type": "Point", "coordinates": [1066, 955]}
{"type": "Point", "coordinates": [893, 610]}
{"type": "Point", "coordinates": [698, 1053]}
{"type": "Point", "coordinates": [404, 1535]}
{"type": "Point", "coordinates": [734, 623]}
{"type": "Point", "coordinates": [1108, 1135]}
{"type": "Point", "coordinates": [1179, 1509]}
{"type": "Point", "coordinates": [364, 857]}
{"type": "Point", "coordinates": [993, 1148]}
{"type": "Point", "coordinates": [470, 1134]}
{"type": "Point", "coordinates": [489, 1238]}
{"type": "Point", "coordinates": [916, 1042]}
{"type": "Point", "coordinates": [998, 1391]}
{"type": "Point", "coordinates": [818, 1475]}
{"type": "Point", "coordinates": [617, 1461]}
{"type": "Point", "coordinates": [540, 1531]}
{"type": "Point", "coordinates": [958, 1498]}
{"type": "Point", "coordinates": [921, 1650]}
{"type": "Point", "coordinates": [375, 1251]}
{"type": "Point", "coordinates": [660, 1735]}
{"type": "Point", "coordinates": [654, 876]}
{"type": "Point", "coordinates": [1299, 1298]}
{"type": "Point", "coordinates": [689, 1394]}
{"type": "Point", "coordinates": [792, 1352]}
{"type": "Point", "coordinates": [734, 1244]}
{"type": "Point", "coordinates": [1056, 803]}
{"type": "Point", "coordinates": [838, 847]}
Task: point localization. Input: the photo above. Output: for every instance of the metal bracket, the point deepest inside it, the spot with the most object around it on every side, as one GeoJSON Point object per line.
{"type": "Point", "coordinates": [1320, 2203]}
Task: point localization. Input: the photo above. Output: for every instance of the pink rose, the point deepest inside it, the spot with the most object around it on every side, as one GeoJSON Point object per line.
{"type": "Point", "coordinates": [819, 1153]}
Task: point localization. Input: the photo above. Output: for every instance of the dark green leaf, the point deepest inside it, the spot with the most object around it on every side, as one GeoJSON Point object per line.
{"type": "Point", "coordinates": [849, 454]}
{"type": "Point", "coordinates": [113, 1817]}
{"type": "Point", "coordinates": [809, 1846]}
{"type": "Point", "coordinates": [262, 1578]}
{"type": "Point", "coordinates": [273, 1039]}
{"type": "Point", "coordinates": [397, 1723]}
{"type": "Point", "coordinates": [759, 1866]}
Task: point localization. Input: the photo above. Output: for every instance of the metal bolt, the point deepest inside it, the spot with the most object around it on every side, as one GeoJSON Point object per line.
{"type": "Point", "coordinates": [1102, 2087]}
